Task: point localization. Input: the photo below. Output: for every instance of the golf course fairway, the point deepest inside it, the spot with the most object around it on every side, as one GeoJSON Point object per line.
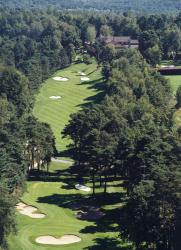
{"type": "Point", "coordinates": [74, 94]}
{"type": "Point", "coordinates": [53, 195]}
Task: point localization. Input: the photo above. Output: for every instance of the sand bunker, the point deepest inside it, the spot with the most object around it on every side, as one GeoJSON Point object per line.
{"type": "Point", "coordinates": [64, 240]}
{"type": "Point", "coordinates": [59, 78]}
{"type": "Point", "coordinates": [55, 97]}
{"type": "Point", "coordinates": [29, 211]}
{"type": "Point", "coordinates": [81, 73]}
{"type": "Point", "coordinates": [85, 79]}
{"type": "Point", "coordinates": [82, 188]}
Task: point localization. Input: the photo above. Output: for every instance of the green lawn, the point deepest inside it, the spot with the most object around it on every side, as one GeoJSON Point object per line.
{"type": "Point", "coordinates": [175, 82]}
{"type": "Point", "coordinates": [74, 95]}
{"type": "Point", "coordinates": [52, 197]}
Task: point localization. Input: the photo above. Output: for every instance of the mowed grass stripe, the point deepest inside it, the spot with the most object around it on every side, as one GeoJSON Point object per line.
{"type": "Point", "coordinates": [74, 93]}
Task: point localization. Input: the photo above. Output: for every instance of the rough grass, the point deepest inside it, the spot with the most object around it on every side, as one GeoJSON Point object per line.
{"type": "Point", "coordinates": [74, 93]}
{"type": "Point", "coordinates": [52, 197]}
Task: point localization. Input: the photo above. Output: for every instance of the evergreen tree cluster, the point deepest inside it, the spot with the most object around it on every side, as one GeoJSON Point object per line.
{"type": "Point", "coordinates": [38, 42]}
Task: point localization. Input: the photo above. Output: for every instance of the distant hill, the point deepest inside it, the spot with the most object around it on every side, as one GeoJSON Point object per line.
{"type": "Point", "coordinates": [149, 6]}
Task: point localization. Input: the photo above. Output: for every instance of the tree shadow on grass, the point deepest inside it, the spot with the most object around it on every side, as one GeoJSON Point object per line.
{"type": "Point", "coordinates": [61, 200]}
{"type": "Point", "coordinates": [108, 243]}
{"type": "Point", "coordinates": [65, 153]}
{"type": "Point", "coordinates": [107, 223]}
{"type": "Point", "coordinates": [66, 200]}
{"type": "Point", "coordinates": [104, 224]}
{"type": "Point", "coordinates": [96, 99]}
{"type": "Point", "coordinates": [77, 201]}
{"type": "Point", "coordinates": [35, 175]}
{"type": "Point", "coordinates": [61, 175]}
{"type": "Point", "coordinates": [98, 85]}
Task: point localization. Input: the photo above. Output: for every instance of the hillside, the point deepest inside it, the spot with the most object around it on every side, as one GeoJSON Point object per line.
{"type": "Point", "coordinates": [155, 6]}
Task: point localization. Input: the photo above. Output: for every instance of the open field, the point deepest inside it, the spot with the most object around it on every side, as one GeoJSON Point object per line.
{"type": "Point", "coordinates": [74, 94]}
{"type": "Point", "coordinates": [54, 198]}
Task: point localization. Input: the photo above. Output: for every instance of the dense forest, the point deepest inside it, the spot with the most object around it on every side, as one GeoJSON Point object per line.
{"type": "Point", "coordinates": [39, 42]}
{"type": "Point", "coordinates": [155, 6]}
{"type": "Point", "coordinates": [130, 133]}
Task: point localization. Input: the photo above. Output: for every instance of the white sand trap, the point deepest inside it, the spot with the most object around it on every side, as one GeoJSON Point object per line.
{"type": "Point", "coordinates": [85, 79]}
{"type": "Point", "coordinates": [55, 97]}
{"type": "Point", "coordinates": [29, 211]}
{"type": "Point", "coordinates": [59, 78]}
{"type": "Point", "coordinates": [81, 73]}
{"type": "Point", "coordinates": [64, 240]}
{"type": "Point", "coordinates": [82, 188]}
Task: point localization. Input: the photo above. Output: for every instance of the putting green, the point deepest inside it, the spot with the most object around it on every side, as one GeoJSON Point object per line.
{"type": "Point", "coordinates": [54, 198]}
{"type": "Point", "coordinates": [74, 93]}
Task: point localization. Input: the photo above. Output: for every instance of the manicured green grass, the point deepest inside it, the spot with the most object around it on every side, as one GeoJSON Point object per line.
{"type": "Point", "coordinates": [52, 197]}
{"type": "Point", "coordinates": [74, 93]}
{"type": "Point", "coordinates": [175, 82]}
